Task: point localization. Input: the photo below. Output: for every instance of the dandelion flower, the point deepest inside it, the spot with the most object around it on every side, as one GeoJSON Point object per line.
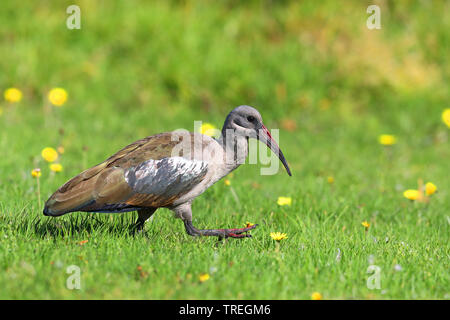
{"type": "Point", "coordinates": [49, 154]}
{"type": "Point", "coordinates": [430, 188]}
{"type": "Point", "coordinates": [204, 277]}
{"type": "Point", "coordinates": [278, 236]}
{"type": "Point", "coordinates": [284, 201]}
{"type": "Point", "coordinates": [56, 167]}
{"type": "Point", "coordinates": [387, 139]}
{"type": "Point", "coordinates": [411, 194]}
{"type": "Point", "coordinates": [227, 182]}
{"type": "Point", "coordinates": [57, 96]}
{"type": "Point", "coordinates": [36, 173]}
{"type": "Point", "coordinates": [365, 224]}
{"type": "Point", "coordinates": [330, 179]}
{"type": "Point", "coordinates": [13, 95]}
{"type": "Point", "coordinates": [208, 129]}
{"type": "Point", "coordinates": [316, 296]}
{"type": "Point", "coordinates": [446, 117]}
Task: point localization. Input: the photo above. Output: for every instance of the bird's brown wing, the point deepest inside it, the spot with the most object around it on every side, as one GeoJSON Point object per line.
{"type": "Point", "coordinates": [143, 174]}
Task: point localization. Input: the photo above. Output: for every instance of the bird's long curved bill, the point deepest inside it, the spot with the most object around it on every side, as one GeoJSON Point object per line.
{"type": "Point", "coordinates": [265, 136]}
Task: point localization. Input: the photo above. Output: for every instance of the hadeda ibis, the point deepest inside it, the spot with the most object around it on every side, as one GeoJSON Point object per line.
{"type": "Point", "coordinates": [165, 170]}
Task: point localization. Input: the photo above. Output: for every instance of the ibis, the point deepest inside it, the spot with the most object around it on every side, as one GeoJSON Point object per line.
{"type": "Point", "coordinates": [166, 170]}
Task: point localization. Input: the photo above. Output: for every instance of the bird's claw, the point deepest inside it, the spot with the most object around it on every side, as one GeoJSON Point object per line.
{"type": "Point", "coordinates": [221, 233]}
{"type": "Point", "coordinates": [238, 233]}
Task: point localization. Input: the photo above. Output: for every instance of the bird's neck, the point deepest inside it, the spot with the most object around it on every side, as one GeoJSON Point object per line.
{"type": "Point", "coordinates": [235, 148]}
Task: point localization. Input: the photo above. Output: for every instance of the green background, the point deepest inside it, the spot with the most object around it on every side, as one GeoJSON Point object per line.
{"type": "Point", "coordinates": [313, 69]}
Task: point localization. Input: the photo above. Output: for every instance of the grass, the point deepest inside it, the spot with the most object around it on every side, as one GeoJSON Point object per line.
{"type": "Point", "coordinates": [313, 70]}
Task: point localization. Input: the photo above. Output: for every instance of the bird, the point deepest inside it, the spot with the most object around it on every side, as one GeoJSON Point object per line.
{"type": "Point", "coordinates": [166, 170]}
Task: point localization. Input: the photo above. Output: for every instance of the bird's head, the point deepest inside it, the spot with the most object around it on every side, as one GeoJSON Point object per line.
{"type": "Point", "coordinates": [247, 121]}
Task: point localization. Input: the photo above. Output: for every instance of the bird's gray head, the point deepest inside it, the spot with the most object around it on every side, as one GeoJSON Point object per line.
{"type": "Point", "coordinates": [246, 121]}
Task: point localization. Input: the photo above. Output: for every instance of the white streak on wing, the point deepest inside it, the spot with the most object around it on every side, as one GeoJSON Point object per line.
{"type": "Point", "coordinates": [168, 176]}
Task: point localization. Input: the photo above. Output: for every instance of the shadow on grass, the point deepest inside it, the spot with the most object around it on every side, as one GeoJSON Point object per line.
{"type": "Point", "coordinates": [76, 226]}
{"type": "Point", "coordinates": [71, 225]}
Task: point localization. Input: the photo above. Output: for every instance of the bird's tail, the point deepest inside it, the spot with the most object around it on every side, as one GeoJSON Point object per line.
{"type": "Point", "coordinates": [98, 189]}
{"type": "Point", "coordinates": [74, 194]}
{"type": "Point", "coordinates": [65, 201]}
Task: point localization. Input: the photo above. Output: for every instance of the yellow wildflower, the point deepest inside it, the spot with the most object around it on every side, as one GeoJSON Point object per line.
{"type": "Point", "coordinates": [284, 201]}
{"type": "Point", "coordinates": [278, 236]}
{"type": "Point", "coordinates": [411, 194]}
{"type": "Point", "coordinates": [49, 154]}
{"type": "Point", "coordinates": [249, 224]}
{"type": "Point", "coordinates": [430, 188]}
{"type": "Point", "coordinates": [316, 296]}
{"type": "Point", "coordinates": [227, 182]}
{"type": "Point", "coordinates": [330, 179]}
{"type": "Point", "coordinates": [13, 95]}
{"type": "Point", "coordinates": [208, 129]}
{"type": "Point", "coordinates": [203, 277]}
{"type": "Point", "coordinates": [56, 167]}
{"type": "Point", "coordinates": [57, 96]}
{"type": "Point", "coordinates": [365, 224]}
{"type": "Point", "coordinates": [387, 139]}
{"type": "Point", "coordinates": [36, 173]}
{"type": "Point", "coordinates": [446, 117]}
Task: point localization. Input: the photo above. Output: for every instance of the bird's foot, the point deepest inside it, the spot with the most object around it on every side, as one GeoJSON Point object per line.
{"type": "Point", "coordinates": [137, 228]}
{"type": "Point", "coordinates": [238, 232]}
{"type": "Point", "coordinates": [221, 233]}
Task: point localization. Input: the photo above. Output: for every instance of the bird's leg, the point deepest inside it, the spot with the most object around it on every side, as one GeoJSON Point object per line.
{"type": "Point", "coordinates": [184, 212]}
{"type": "Point", "coordinates": [221, 233]}
{"type": "Point", "coordinates": [143, 215]}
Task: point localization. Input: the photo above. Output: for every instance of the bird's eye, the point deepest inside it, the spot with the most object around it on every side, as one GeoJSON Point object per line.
{"type": "Point", "coordinates": [250, 118]}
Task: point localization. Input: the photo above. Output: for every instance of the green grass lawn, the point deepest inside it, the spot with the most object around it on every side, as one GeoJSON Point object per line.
{"type": "Point", "coordinates": [313, 70]}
